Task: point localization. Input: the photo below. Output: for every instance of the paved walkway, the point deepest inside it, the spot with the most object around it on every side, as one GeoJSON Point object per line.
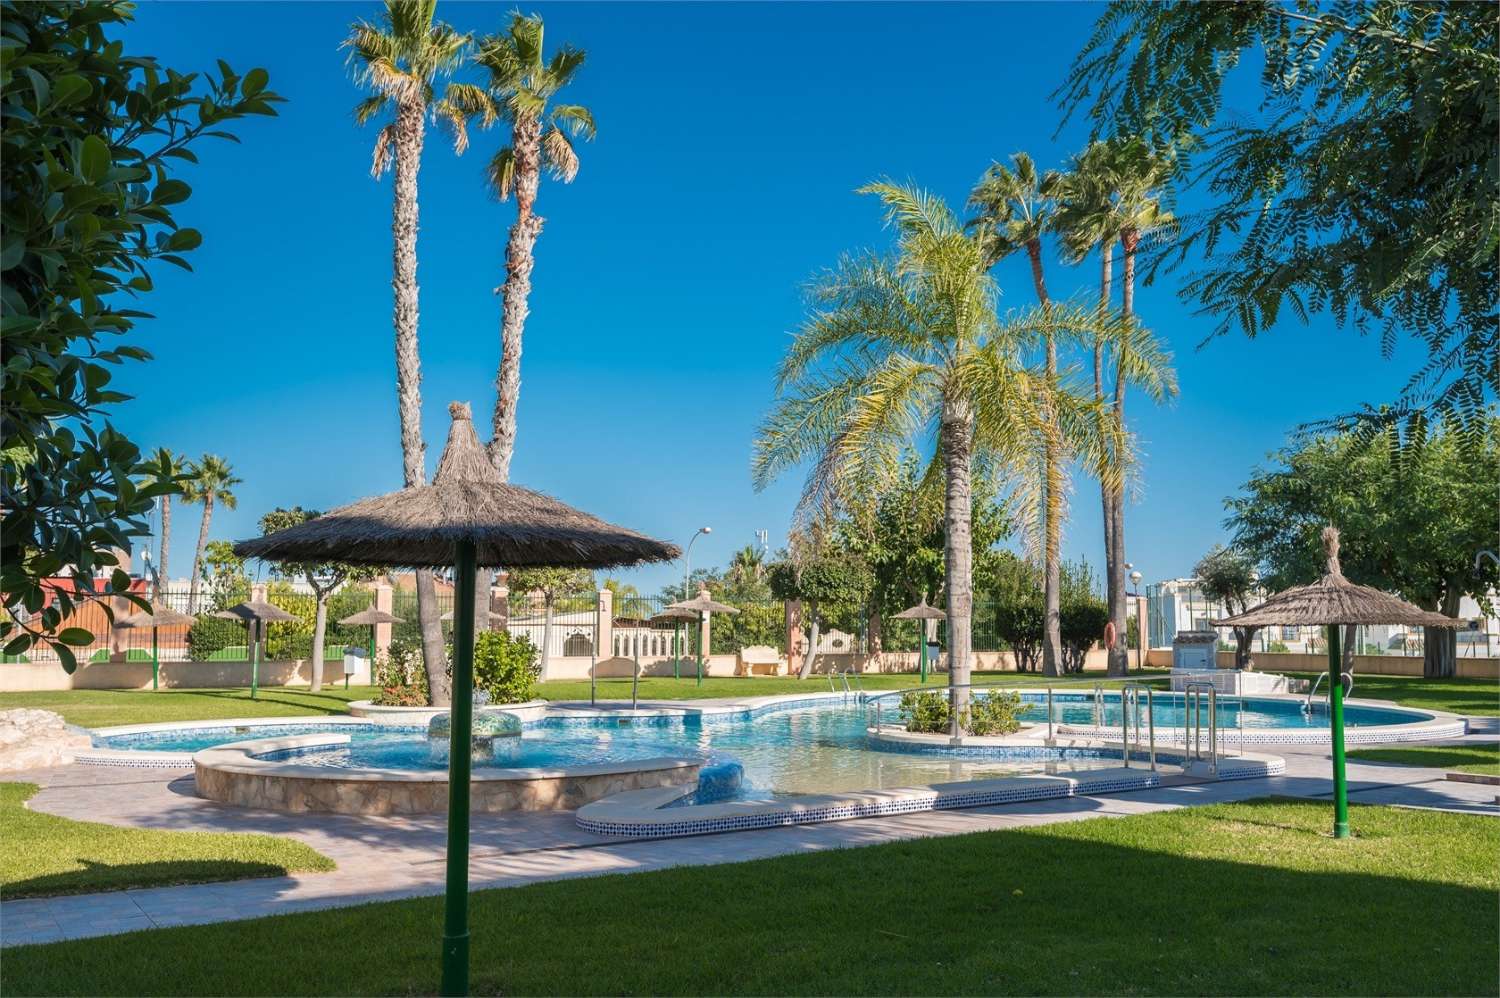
{"type": "Point", "coordinates": [380, 859]}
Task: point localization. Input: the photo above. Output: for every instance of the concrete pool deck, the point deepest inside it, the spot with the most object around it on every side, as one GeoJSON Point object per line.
{"type": "Point", "coordinates": [385, 858]}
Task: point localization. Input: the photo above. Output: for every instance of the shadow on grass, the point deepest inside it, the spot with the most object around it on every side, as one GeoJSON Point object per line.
{"type": "Point", "coordinates": [107, 877]}
{"type": "Point", "coordinates": [1085, 908]}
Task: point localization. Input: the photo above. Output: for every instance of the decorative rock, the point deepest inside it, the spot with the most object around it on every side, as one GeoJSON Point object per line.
{"type": "Point", "coordinates": [36, 739]}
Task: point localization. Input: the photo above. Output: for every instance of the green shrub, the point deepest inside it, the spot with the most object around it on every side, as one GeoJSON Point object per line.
{"type": "Point", "coordinates": [505, 666]}
{"type": "Point", "coordinates": [994, 714]}
{"type": "Point", "coordinates": [1276, 648]}
{"type": "Point", "coordinates": [925, 711]}
{"type": "Point", "coordinates": [400, 675]}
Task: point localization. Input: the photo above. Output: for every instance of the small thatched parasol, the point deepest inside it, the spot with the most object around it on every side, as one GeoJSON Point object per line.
{"type": "Point", "coordinates": [466, 518]}
{"type": "Point", "coordinates": [159, 615]}
{"type": "Point", "coordinates": [1331, 602]}
{"type": "Point", "coordinates": [700, 605]}
{"type": "Point", "coordinates": [256, 614]}
{"type": "Point", "coordinates": [675, 616]}
{"type": "Point", "coordinates": [370, 617]}
{"type": "Point", "coordinates": [924, 613]}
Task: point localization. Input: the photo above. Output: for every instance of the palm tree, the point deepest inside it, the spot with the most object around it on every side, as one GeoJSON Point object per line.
{"type": "Point", "coordinates": [521, 83]}
{"type": "Point", "coordinates": [1140, 175]}
{"type": "Point", "coordinates": [748, 563]}
{"type": "Point", "coordinates": [210, 482]}
{"type": "Point", "coordinates": [399, 59]}
{"type": "Point", "coordinates": [901, 349]}
{"type": "Point", "coordinates": [1015, 210]}
{"type": "Point", "coordinates": [167, 466]}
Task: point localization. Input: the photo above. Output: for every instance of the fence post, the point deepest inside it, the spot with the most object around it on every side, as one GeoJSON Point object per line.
{"type": "Point", "coordinates": [385, 599]}
{"type": "Point", "coordinates": [604, 625]}
{"type": "Point", "coordinates": [794, 641]}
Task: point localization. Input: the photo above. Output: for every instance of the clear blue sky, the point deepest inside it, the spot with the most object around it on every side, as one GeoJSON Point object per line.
{"type": "Point", "coordinates": [668, 276]}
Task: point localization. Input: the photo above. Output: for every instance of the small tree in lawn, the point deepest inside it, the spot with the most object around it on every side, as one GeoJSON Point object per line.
{"type": "Point", "coordinates": [550, 583]}
{"type": "Point", "coordinates": [1228, 576]}
{"type": "Point", "coordinates": [324, 577]}
{"type": "Point", "coordinates": [823, 577]}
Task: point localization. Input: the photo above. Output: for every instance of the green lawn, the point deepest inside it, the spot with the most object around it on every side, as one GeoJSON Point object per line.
{"type": "Point", "coordinates": [45, 855]}
{"type": "Point", "coordinates": [101, 708]}
{"type": "Point", "coordinates": [1483, 759]}
{"type": "Point", "coordinates": [1458, 696]}
{"type": "Point", "coordinates": [1232, 899]}
{"type": "Point", "coordinates": [687, 688]}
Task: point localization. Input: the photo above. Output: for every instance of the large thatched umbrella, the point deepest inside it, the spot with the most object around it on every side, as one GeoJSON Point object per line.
{"type": "Point", "coordinates": [256, 614]}
{"type": "Point", "coordinates": [701, 604]}
{"type": "Point", "coordinates": [679, 640]}
{"type": "Point", "coordinates": [370, 618]}
{"type": "Point", "coordinates": [466, 518]}
{"type": "Point", "coordinates": [924, 613]}
{"type": "Point", "coordinates": [1332, 602]}
{"type": "Point", "coordinates": [159, 615]}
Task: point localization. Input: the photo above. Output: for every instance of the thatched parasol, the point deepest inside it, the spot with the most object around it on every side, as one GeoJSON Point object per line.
{"type": "Point", "coordinates": [924, 613]}
{"type": "Point", "coordinates": [466, 518]}
{"type": "Point", "coordinates": [495, 618]}
{"type": "Point", "coordinates": [675, 617]}
{"type": "Point", "coordinates": [256, 614]}
{"type": "Point", "coordinates": [159, 615]}
{"type": "Point", "coordinates": [1332, 602]}
{"type": "Point", "coordinates": [369, 617]}
{"type": "Point", "coordinates": [700, 605]}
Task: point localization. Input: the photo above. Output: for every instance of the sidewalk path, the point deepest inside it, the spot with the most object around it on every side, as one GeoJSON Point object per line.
{"type": "Point", "coordinates": [380, 859]}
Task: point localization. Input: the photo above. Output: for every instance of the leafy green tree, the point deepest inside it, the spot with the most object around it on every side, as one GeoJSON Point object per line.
{"type": "Point", "coordinates": [400, 59]}
{"type": "Point", "coordinates": [832, 583]}
{"type": "Point", "coordinates": [1228, 576]}
{"type": "Point", "coordinates": [520, 88]}
{"type": "Point", "coordinates": [1083, 614]}
{"type": "Point", "coordinates": [1019, 612]}
{"type": "Point", "coordinates": [91, 135]}
{"type": "Point", "coordinates": [210, 481]}
{"type": "Point", "coordinates": [323, 577]}
{"type": "Point", "coordinates": [552, 584]}
{"type": "Point", "coordinates": [1410, 522]}
{"type": "Point", "coordinates": [1366, 190]}
{"type": "Point", "coordinates": [897, 347]}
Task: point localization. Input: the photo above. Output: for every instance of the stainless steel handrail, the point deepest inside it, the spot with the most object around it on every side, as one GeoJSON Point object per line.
{"type": "Point", "coordinates": [1130, 699]}
{"type": "Point", "coordinates": [1192, 744]}
{"type": "Point", "coordinates": [1346, 679]}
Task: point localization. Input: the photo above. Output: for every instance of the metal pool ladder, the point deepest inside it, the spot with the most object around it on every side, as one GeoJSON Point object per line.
{"type": "Point", "coordinates": [1347, 678]}
{"type": "Point", "coordinates": [1130, 703]}
{"type": "Point", "coordinates": [1193, 694]}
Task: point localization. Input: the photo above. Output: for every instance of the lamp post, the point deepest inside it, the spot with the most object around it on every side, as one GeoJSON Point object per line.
{"type": "Point", "coordinates": [687, 571]}
{"type": "Point", "coordinates": [1140, 638]}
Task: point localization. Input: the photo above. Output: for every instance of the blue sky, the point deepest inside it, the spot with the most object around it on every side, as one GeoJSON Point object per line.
{"type": "Point", "coordinates": [669, 274]}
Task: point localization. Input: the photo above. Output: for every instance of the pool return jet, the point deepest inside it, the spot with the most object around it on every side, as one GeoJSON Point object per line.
{"type": "Point", "coordinates": [467, 518]}
{"type": "Point", "coordinates": [1332, 602]}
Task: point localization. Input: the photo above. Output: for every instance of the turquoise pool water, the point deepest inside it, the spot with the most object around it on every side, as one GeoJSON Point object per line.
{"type": "Point", "coordinates": [807, 748]}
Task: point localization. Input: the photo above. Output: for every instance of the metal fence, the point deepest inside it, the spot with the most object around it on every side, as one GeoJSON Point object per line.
{"type": "Point", "coordinates": [557, 626]}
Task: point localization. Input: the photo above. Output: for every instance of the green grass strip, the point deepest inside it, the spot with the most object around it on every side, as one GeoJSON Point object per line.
{"type": "Point", "coordinates": [46, 855]}
{"type": "Point", "coordinates": [1252, 898]}
{"type": "Point", "coordinates": [1483, 759]}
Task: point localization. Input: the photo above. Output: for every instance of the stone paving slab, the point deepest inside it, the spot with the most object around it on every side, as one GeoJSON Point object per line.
{"type": "Point", "coordinates": [397, 857]}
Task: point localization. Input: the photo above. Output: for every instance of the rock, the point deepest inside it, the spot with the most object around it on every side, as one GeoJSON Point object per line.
{"type": "Point", "coordinates": [36, 739]}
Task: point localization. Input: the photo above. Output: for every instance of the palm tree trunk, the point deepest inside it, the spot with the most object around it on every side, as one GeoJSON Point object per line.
{"type": "Point", "coordinates": [526, 138]}
{"type": "Point", "coordinates": [1106, 275]}
{"type": "Point", "coordinates": [958, 448]}
{"type": "Point", "coordinates": [166, 539]}
{"type": "Point", "coordinates": [1051, 500]}
{"type": "Point", "coordinates": [320, 630]}
{"type": "Point", "coordinates": [409, 135]}
{"type": "Point", "coordinates": [547, 637]}
{"type": "Point", "coordinates": [208, 514]}
{"type": "Point", "coordinates": [1119, 658]}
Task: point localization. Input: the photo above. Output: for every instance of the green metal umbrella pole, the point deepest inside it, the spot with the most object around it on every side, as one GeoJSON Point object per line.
{"type": "Point", "coordinates": [1336, 733]}
{"type": "Point", "coordinates": [700, 605]}
{"type": "Point", "coordinates": [921, 613]}
{"type": "Point", "coordinates": [255, 614]}
{"type": "Point", "coordinates": [153, 617]}
{"type": "Point", "coordinates": [460, 724]}
{"type": "Point", "coordinates": [155, 661]}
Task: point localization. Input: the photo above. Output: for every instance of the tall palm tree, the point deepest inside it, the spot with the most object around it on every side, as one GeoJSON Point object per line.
{"type": "Point", "coordinates": [1140, 175]}
{"type": "Point", "coordinates": [1015, 209]}
{"type": "Point", "coordinates": [748, 563]}
{"type": "Point", "coordinates": [210, 482]}
{"type": "Point", "coordinates": [399, 59]}
{"type": "Point", "coordinates": [906, 348]}
{"type": "Point", "coordinates": [167, 466]}
{"type": "Point", "coordinates": [520, 86]}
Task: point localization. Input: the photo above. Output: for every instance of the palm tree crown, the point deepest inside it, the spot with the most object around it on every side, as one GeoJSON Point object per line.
{"type": "Point", "coordinates": [1014, 207]}
{"type": "Point", "coordinates": [399, 59]}
{"type": "Point", "coordinates": [211, 480]}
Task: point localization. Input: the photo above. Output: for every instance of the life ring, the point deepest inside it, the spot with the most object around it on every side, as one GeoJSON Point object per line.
{"type": "Point", "coordinates": [1109, 635]}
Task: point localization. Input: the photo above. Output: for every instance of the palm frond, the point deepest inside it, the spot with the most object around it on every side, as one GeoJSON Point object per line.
{"type": "Point", "coordinates": [558, 153]}
{"type": "Point", "coordinates": [501, 173]}
{"type": "Point", "coordinates": [366, 110]}
{"type": "Point", "coordinates": [384, 152]}
{"type": "Point", "coordinates": [577, 119]}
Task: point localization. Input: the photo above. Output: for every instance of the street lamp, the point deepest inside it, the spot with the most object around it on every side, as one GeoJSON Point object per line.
{"type": "Point", "coordinates": [687, 562]}
{"type": "Point", "coordinates": [1140, 638]}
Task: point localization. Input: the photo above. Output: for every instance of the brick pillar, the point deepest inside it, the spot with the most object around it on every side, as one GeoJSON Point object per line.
{"type": "Point", "coordinates": [794, 638]}
{"type": "Point", "coordinates": [604, 625]}
{"type": "Point", "coordinates": [385, 599]}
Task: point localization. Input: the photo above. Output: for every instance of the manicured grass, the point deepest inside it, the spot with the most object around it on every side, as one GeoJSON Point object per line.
{"type": "Point", "coordinates": [1458, 696]}
{"type": "Point", "coordinates": [1251, 898]}
{"type": "Point", "coordinates": [45, 855]}
{"type": "Point", "coordinates": [101, 708]}
{"type": "Point", "coordinates": [1481, 758]}
{"type": "Point", "coordinates": [687, 688]}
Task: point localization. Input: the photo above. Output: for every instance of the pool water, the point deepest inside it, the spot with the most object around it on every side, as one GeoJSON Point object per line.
{"type": "Point", "coordinates": [795, 749]}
